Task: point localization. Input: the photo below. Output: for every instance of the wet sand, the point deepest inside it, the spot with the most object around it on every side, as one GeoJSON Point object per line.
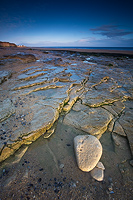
{"type": "Point", "coordinates": [47, 168]}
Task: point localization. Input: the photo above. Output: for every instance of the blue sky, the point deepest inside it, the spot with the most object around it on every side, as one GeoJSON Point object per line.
{"type": "Point", "coordinates": [95, 23]}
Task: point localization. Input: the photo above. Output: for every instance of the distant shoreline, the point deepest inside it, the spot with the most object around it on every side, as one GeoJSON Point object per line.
{"type": "Point", "coordinates": [97, 51]}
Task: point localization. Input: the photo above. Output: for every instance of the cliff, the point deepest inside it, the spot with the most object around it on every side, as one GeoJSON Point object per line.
{"type": "Point", "coordinates": [7, 44]}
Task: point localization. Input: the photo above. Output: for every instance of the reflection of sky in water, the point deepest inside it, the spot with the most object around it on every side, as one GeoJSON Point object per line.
{"type": "Point", "coordinates": [85, 61]}
{"type": "Point", "coordinates": [73, 64]}
{"type": "Point", "coordinates": [28, 68]}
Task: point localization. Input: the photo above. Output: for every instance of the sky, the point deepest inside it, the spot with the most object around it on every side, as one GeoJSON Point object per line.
{"type": "Point", "coordinates": [84, 23]}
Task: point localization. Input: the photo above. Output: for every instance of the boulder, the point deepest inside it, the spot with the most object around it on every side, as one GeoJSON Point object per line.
{"type": "Point", "coordinates": [88, 151]}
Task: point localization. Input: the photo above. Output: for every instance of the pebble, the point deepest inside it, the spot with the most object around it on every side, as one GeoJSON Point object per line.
{"type": "Point", "coordinates": [97, 174]}
{"type": "Point", "coordinates": [61, 166]}
{"type": "Point", "coordinates": [100, 165]}
{"type": "Point", "coordinates": [41, 169]}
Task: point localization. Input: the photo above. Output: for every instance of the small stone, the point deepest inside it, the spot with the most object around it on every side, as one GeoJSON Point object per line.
{"type": "Point", "coordinates": [41, 169]}
{"type": "Point", "coordinates": [88, 151]}
{"type": "Point", "coordinates": [56, 191]}
{"type": "Point", "coordinates": [61, 166]}
{"type": "Point", "coordinates": [97, 174]}
{"type": "Point", "coordinates": [111, 192]}
{"type": "Point", "coordinates": [100, 165]}
{"type": "Point", "coordinates": [39, 180]}
{"type": "Point", "coordinates": [110, 188]}
{"type": "Point", "coordinates": [68, 145]}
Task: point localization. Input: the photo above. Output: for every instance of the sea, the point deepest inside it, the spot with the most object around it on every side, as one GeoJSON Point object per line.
{"type": "Point", "coordinates": [105, 48]}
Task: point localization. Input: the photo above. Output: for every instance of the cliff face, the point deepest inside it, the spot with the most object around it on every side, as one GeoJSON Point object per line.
{"type": "Point", "coordinates": [7, 44]}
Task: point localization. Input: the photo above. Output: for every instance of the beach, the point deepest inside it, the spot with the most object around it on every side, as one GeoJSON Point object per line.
{"type": "Point", "coordinates": [48, 96]}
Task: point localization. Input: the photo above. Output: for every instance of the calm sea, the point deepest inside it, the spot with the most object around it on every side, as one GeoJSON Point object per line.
{"type": "Point", "coordinates": [106, 48]}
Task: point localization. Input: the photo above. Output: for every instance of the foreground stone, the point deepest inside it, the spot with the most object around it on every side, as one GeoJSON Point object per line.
{"type": "Point", "coordinates": [97, 174]}
{"type": "Point", "coordinates": [88, 151]}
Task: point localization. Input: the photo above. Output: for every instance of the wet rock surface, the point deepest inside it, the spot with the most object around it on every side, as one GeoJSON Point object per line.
{"type": "Point", "coordinates": [4, 76]}
{"type": "Point", "coordinates": [26, 58]}
{"type": "Point", "coordinates": [49, 101]}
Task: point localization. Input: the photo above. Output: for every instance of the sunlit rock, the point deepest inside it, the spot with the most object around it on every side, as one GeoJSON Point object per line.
{"type": "Point", "coordinates": [88, 151]}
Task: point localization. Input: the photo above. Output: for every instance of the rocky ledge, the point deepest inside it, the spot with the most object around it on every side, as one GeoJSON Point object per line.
{"type": "Point", "coordinates": [95, 96]}
{"type": "Point", "coordinates": [59, 97]}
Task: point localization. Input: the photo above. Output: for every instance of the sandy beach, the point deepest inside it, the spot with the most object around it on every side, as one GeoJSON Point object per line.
{"type": "Point", "coordinates": [48, 97]}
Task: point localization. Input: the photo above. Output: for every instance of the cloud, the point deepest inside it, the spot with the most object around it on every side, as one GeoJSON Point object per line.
{"type": "Point", "coordinates": [110, 31]}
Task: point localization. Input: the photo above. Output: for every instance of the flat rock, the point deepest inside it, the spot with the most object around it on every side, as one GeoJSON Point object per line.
{"type": "Point", "coordinates": [88, 151]}
{"type": "Point", "coordinates": [6, 109]}
{"type": "Point", "coordinates": [95, 98]}
{"type": "Point", "coordinates": [120, 141]}
{"type": "Point", "coordinates": [91, 120]}
{"type": "Point", "coordinates": [118, 129]}
{"type": "Point", "coordinates": [126, 120]}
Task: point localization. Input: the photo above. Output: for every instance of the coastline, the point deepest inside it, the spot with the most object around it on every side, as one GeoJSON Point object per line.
{"type": "Point", "coordinates": [99, 51]}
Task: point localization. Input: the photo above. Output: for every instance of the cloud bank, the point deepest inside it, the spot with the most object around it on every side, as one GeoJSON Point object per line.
{"type": "Point", "coordinates": [110, 31]}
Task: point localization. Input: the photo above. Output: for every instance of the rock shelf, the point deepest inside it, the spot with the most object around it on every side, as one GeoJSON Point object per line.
{"type": "Point", "coordinates": [89, 100]}
{"type": "Point", "coordinates": [83, 92]}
